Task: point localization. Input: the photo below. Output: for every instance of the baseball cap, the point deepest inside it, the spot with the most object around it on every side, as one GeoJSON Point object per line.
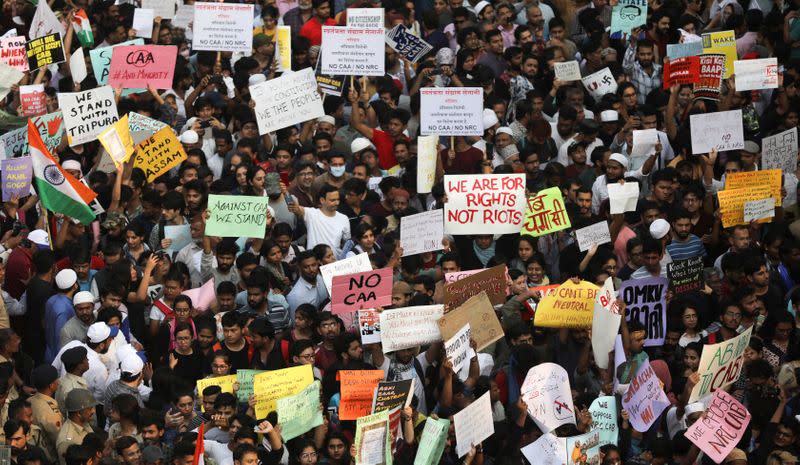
{"type": "Point", "coordinates": [131, 364]}
{"type": "Point", "coordinates": [40, 238]}
{"type": "Point", "coordinates": [99, 332]}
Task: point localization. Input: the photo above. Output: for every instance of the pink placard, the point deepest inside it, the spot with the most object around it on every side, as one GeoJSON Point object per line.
{"type": "Point", "coordinates": [203, 296]}
{"type": "Point", "coordinates": [137, 66]}
{"type": "Point", "coordinates": [369, 289]}
{"type": "Point", "coordinates": [12, 52]}
{"type": "Point", "coordinates": [718, 431]}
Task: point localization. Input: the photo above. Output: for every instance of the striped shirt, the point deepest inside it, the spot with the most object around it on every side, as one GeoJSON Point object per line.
{"type": "Point", "coordinates": [693, 247]}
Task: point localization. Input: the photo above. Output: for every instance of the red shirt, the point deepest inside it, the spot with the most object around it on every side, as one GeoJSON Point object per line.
{"type": "Point", "coordinates": [312, 29]}
{"type": "Point", "coordinates": [384, 145]}
{"type": "Point", "coordinates": [465, 163]}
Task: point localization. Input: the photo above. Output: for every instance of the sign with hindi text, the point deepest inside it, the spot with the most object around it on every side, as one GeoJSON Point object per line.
{"type": "Point", "coordinates": [720, 365]}
{"type": "Point", "coordinates": [779, 151]}
{"type": "Point", "coordinates": [352, 51]}
{"type": "Point", "coordinates": [223, 27]}
{"type": "Point", "coordinates": [545, 213]}
{"type": "Point", "coordinates": [451, 111]}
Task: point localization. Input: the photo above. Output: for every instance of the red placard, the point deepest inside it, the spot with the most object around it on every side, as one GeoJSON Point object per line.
{"type": "Point", "coordinates": [369, 289]}
{"type": "Point", "coordinates": [684, 70]}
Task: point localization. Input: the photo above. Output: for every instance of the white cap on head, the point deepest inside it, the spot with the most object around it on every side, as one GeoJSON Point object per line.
{"type": "Point", "coordinates": [359, 144]}
{"type": "Point", "coordinates": [608, 116]}
{"type": "Point", "coordinates": [65, 279]}
{"type": "Point", "coordinates": [504, 130]}
{"type": "Point", "coordinates": [39, 237]}
{"type": "Point", "coordinates": [327, 119]}
{"type": "Point", "coordinates": [131, 364]}
{"type": "Point", "coordinates": [83, 297]}
{"type": "Point", "coordinates": [189, 137]}
{"type": "Point", "coordinates": [98, 332]}
{"type": "Point", "coordinates": [72, 165]}
{"type": "Point", "coordinates": [480, 6]}
{"type": "Point", "coordinates": [489, 119]}
{"type": "Point", "coordinates": [659, 228]}
{"type": "Point", "coordinates": [619, 158]}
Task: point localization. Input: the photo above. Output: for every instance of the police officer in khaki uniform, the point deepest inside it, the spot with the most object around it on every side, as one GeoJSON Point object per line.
{"type": "Point", "coordinates": [76, 363]}
{"type": "Point", "coordinates": [46, 413]}
{"type": "Point", "coordinates": [80, 410]}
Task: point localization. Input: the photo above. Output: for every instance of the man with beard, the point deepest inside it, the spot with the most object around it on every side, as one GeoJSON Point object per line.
{"type": "Point", "coordinates": [151, 426]}
{"type": "Point", "coordinates": [46, 413]}
{"type": "Point", "coordinates": [16, 438]}
{"type": "Point", "coordinates": [406, 364]}
{"type": "Point", "coordinates": [757, 275]}
{"type": "Point", "coordinates": [645, 73]}
{"type": "Point", "coordinates": [76, 327]}
{"type": "Point", "coordinates": [616, 172]}
{"type": "Point", "coordinates": [564, 128]}
{"type": "Point", "coordinates": [684, 244]}
{"type": "Point", "coordinates": [298, 16]}
{"type": "Point", "coordinates": [267, 351]}
{"type": "Point", "coordinates": [81, 406]}
{"type": "Point", "coordinates": [258, 304]}
{"type": "Point", "coordinates": [739, 240]}
{"type": "Point", "coordinates": [225, 252]}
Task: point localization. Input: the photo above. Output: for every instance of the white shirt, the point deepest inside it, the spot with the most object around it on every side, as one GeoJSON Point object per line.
{"type": "Point", "coordinates": [322, 229]}
{"type": "Point", "coordinates": [97, 375]}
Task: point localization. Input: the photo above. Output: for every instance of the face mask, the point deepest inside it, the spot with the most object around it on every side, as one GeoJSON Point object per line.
{"type": "Point", "coordinates": [337, 171]}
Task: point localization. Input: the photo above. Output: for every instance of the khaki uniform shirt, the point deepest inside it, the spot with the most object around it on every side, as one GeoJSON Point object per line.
{"type": "Point", "coordinates": [47, 416]}
{"type": "Point", "coordinates": [67, 383]}
{"type": "Point", "coordinates": [71, 433]}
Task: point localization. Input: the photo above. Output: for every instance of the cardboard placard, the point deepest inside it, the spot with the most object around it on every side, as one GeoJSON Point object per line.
{"type": "Point", "coordinates": [492, 281]}
{"type": "Point", "coordinates": [479, 315]}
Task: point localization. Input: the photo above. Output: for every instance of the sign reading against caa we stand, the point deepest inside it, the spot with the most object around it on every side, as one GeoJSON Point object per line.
{"type": "Point", "coordinates": [352, 51]}
{"type": "Point", "coordinates": [287, 100]}
{"type": "Point", "coordinates": [720, 365]}
{"type": "Point", "coordinates": [223, 27]}
{"type": "Point", "coordinates": [484, 203]}
{"type": "Point", "coordinates": [646, 301]}
{"type": "Point", "coordinates": [88, 113]}
{"type": "Point", "coordinates": [451, 111]}
{"type": "Point", "coordinates": [137, 66]}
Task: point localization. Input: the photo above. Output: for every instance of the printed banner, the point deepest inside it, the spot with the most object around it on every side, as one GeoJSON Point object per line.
{"type": "Point", "coordinates": [548, 395]}
{"type": "Point", "coordinates": [136, 66]}
{"type": "Point", "coordinates": [369, 289]}
{"type": "Point", "coordinates": [646, 301]}
{"type": "Point", "coordinates": [287, 100]}
{"type": "Point", "coordinates": [406, 327]}
{"type": "Point", "coordinates": [352, 51]}
{"type": "Point", "coordinates": [369, 325]}
{"type": "Point", "coordinates": [722, 426]}
{"type": "Point", "coordinates": [451, 111]}
{"type": "Point", "coordinates": [484, 203]}
{"type": "Point", "coordinates": [88, 113]}
{"type": "Point", "coordinates": [570, 306]}
{"type": "Point", "coordinates": [720, 365]}
{"type": "Point", "coordinates": [644, 399]}
{"type": "Point", "coordinates": [223, 27]}
{"type": "Point", "coordinates": [723, 42]}
{"type": "Point", "coordinates": [422, 232]}
{"type": "Point", "coordinates": [545, 213]}
{"type": "Point", "coordinates": [237, 216]}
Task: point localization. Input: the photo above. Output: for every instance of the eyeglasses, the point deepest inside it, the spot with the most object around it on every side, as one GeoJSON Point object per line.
{"type": "Point", "coordinates": [306, 356]}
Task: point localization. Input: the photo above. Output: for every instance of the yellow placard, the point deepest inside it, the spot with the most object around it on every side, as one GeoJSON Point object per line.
{"type": "Point", "coordinates": [569, 306]}
{"type": "Point", "coordinates": [283, 47]}
{"type": "Point", "coordinates": [723, 42]}
{"type": "Point", "coordinates": [224, 382]}
{"type": "Point", "coordinates": [747, 179]}
{"type": "Point", "coordinates": [269, 386]}
{"type": "Point", "coordinates": [159, 153]}
{"type": "Point", "coordinates": [117, 141]}
{"type": "Point", "coordinates": [731, 203]}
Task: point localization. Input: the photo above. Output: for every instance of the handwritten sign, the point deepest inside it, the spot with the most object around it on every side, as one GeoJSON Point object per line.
{"type": "Point", "coordinates": [283, 48]}
{"type": "Point", "coordinates": [720, 365]}
{"type": "Point", "coordinates": [746, 179]}
{"type": "Point", "coordinates": [731, 202]}
{"type": "Point", "coordinates": [43, 51]}
{"type": "Point", "coordinates": [546, 391]}
{"type": "Point", "coordinates": [373, 440]}
{"type": "Point", "coordinates": [484, 204]}
{"type": "Point", "coordinates": [358, 263]}
{"type": "Point", "coordinates": [406, 44]}
{"type": "Point", "coordinates": [685, 70]}
{"type": "Point", "coordinates": [549, 449]}
{"type": "Point", "coordinates": [471, 424]}
{"type": "Point", "coordinates": [645, 301]}
{"type": "Point", "coordinates": [600, 83]}
{"type": "Point", "coordinates": [101, 59]}
{"type": "Point", "coordinates": [567, 71]}
{"type": "Point", "coordinates": [604, 419]}
{"type": "Point", "coordinates": [287, 100]}
{"type": "Point", "coordinates": [352, 51]}
{"type": "Point", "coordinates": [368, 289]}
{"type": "Point", "coordinates": [426, 162]}
{"type": "Point", "coordinates": [723, 42]}
{"type": "Point", "coordinates": [245, 380]}
{"type": "Point", "coordinates": [570, 306]}
{"type": "Point", "coordinates": [432, 442]}
{"type": "Point", "coordinates": [545, 213]}
{"type": "Point", "coordinates": [759, 209]}
{"type": "Point", "coordinates": [33, 100]}
{"type": "Point", "coordinates": [422, 232]}
{"type": "Point", "coordinates": [137, 66]}
{"type": "Point", "coordinates": [270, 386]}
{"type": "Point", "coordinates": [721, 130]}
{"type": "Point", "coordinates": [143, 22]}
{"type": "Point", "coordinates": [623, 197]}
{"type": "Point", "coordinates": [709, 83]}
{"type": "Point", "coordinates": [164, 10]}
{"type": "Point", "coordinates": [628, 15]}
{"type": "Point", "coordinates": [12, 52]}
{"type": "Point", "coordinates": [393, 394]}
{"type": "Point", "coordinates": [17, 174]}
{"type": "Point", "coordinates": [597, 233]}
{"type": "Point", "coordinates": [223, 27]}
{"type": "Point", "coordinates": [237, 216]}
{"type": "Point", "coordinates": [457, 348]}
{"type": "Point", "coordinates": [159, 153]}
{"type": "Point", "coordinates": [491, 280]}
{"type": "Point", "coordinates": [718, 431]}
{"type": "Point", "coordinates": [357, 390]}
{"type": "Point", "coordinates": [88, 113]}
{"type": "Point", "coordinates": [451, 111]}
{"type": "Point", "coordinates": [779, 151]}
{"type": "Point", "coordinates": [686, 49]}
{"type": "Point", "coordinates": [685, 275]}
{"type": "Point", "coordinates": [605, 322]}
{"type": "Point", "coordinates": [301, 412]}
{"type": "Point", "coordinates": [644, 399]}
{"type": "Point", "coordinates": [406, 327]}
{"type": "Point", "coordinates": [756, 74]}
{"type": "Point", "coordinates": [477, 312]}
{"type": "Point", "coordinates": [224, 382]}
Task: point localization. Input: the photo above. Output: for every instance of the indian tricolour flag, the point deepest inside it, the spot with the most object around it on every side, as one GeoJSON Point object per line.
{"type": "Point", "coordinates": [58, 190]}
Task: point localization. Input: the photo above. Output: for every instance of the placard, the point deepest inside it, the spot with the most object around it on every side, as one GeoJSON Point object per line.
{"type": "Point", "coordinates": [723, 42]}
{"type": "Point", "coordinates": [406, 327]}
{"type": "Point", "coordinates": [451, 111]}
{"type": "Point", "coordinates": [287, 100]}
{"type": "Point", "coordinates": [623, 197]}
{"type": "Point", "coordinates": [203, 296]}
{"type": "Point", "coordinates": [143, 22]}
{"type": "Point", "coordinates": [373, 440]}
{"type": "Point", "coordinates": [117, 141]}
{"type": "Point", "coordinates": [600, 83]}
{"type": "Point", "coordinates": [180, 235]}
{"type": "Point", "coordinates": [709, 82]}
{"type": "Point", "coordinates": [245, 380]}
{"type": "Point", "coordinates": [8, 77]}
{"type": "Point", "coordinates": [471, 424]}
{"type": "Point", "coordinates": [87, 114]}
{"type": "Point", "coordinates": [756, 74]}
{"type": "Point", "coordinates": [184, 16]}
{"type": "Point", "coordinates": [406, 44]}
{"type": "Point", "coordinates": [484, 203]}
{"type": "Point", "coordinates": [545, 213]}
{"type": "Point", "coordinates": [570, 306]}
{"type": "Point", "coordinates": [236, 215]}
{"type": "Point", "coordinates": [101, 61]}
{"type": "Point", "coordinates": [33, 100]}
{"type": "Point", "coordinates": [369, 324]}
{"type": "Point", "coordinates": [358, 263]}
{"type": "Point", "coordinates": [43, 51]}
{"type": "Point", "coordinates": [77, 66]}
{"type": "Point", "coordinates": [159, 153]}
{"type": "Point", "coordinates": [645, 301]}
{"type": "Point", "coordinates": [427, 152]}
{"type": "Point", "coordinates": [12, 52]}
{"type": "Point", "coordinates": [779, 151]}
{"type": "Point", "coordinates": [567, 71]}
{"type": "Point", "coordinates": [492, 281]}
{"type": "Point", "coordinates": [546, 391]}
{"type": "Point", "coordinates": [685, 49]}
{"type": "Point", "coordinates": [605, 322]}
{"type": "Point", "coordinates": [722, 426]}
{"type": "Point", "coordinates": [746, 179]}
{"type": "Point", "coordinates": [628, 15]}
{"type": "Point", "coordinates": [731, 202]}
{"type": "Point", "coordinates": [685, 70]}
{"type": "Point", "coordinates": [17, 175]}
{"type": "Point", "coordinates": [549, 449]}
{"type": "Point", "coordinates": [365, 18]}
{"type": "Point", "coordinates": [393, 394]}
{"type": "Point", "coordinates": [584, 448]}
{"type": "Point", "coordinates": [431, 444]}
{"type": "Point", "coordinates": [476, 313]}
{"type": "Point", "coordinates": [224, 382]}
{"type": "Point", "coordinates": [357, 390]}
{"type": "Point", "coordinates": [644, 399]}
{"type": "Point", "coordinates": [368, 289]}
{"type": "Point", "coordinates": [223, 27]}
{"type": "Point", "coordinates": [161, 9]}
{"type": "Point", "coordinates": [270, 386]}
{"type": "Point", "coordinates": [686, 275]}
{"type": "Point", "coordinates": [721, 130]}
{"type": "Point", "coordinates": [283, 48]}
{"type": "Point", "coordinates": [604, 419]}
{"type": "Point", "coordinates": [644, 143]}
{"type": "Point", "coordinates": [352, 51]}
{"type": "Point", "coordinates": [720, 365]}
{"type": "Point", "coordinates": [597, 233]}
{"type": "Point", "coordinates": [422, 232]}
{"type": "Point", "coordinates": [759, 209]}
{"type": "Point", "coordinates": [137, 66]}
{"type": "Point", "coordinates": [51, 130]}
{"type": "Point", "coordinates": [301, 412]}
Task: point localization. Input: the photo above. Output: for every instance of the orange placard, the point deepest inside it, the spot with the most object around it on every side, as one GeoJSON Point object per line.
{"type": "Point", "coordinates": [357, 390]}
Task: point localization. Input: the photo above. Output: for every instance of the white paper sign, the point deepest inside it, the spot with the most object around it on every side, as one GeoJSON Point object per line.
{"type": "Point", "coordinates": [605, 322]}
{"type": "Point", "coordinates": [427, 151]}
{"type": "Point", "coordinates": [473, 424]}
{"type": "Point", "coordinates": [406, 327]}
{"type": "Point", "coordinates": [45, 22]}
{"type": "Point", "coordinates": [143, 22]}
{"type": "Point", "coordinates": [287, 100]}
{"type": "Point", "coordinates": [756, 74]}
{"type": "Point", "coordinates": [183, 16]}
{"type": "Point", "coordinates": [549, 449]}
{"type": "Point", "coordinates": [600, 83]}
{"type": "Point", "coordinates": [10, 76]}
{"type": "Point", "coordinates": [623, 197]}
{"type": "Point", "coordinates": [352, 51]}
{"type": "Point", "coordinates": [422, 232]}
{"type": "Point", "coordinates": [88, 113]}
{"type": "Point", "coordinates": [77, 66]}
{"type": "Point", "coordinates": [597, 233]}
{"type": "Point", "coordinates": [644, 142]}
{"type": "Point", "coordinates": [644, 399]}
{"type": "Point", "coordinates": [354, 264]}
{"type": "Point", "coordinates": [365, 18]}
{"type": "Point", "coordinates": [567, 71]}
{"type": "Point", "coordinates": [457, 348]}
{"type": "Point", "coordinates": [164, 9]}
{"type": "Point", "coordinates": [721, 130]}
{"type": "Point", "coordinates": [223, 27]}
{"type": "Point", "coordinates": [759, 209]}
{"type": "Point", "coordinates": [180, 235]}
{"type": "Point", "coordinates": [451, 111]}
{"type": "Point", "coordinates": [780, 151]}
{"type": "Point", "coordinates": [546, 391]}
{"type": "Point", "coordinates": [484, 203]}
